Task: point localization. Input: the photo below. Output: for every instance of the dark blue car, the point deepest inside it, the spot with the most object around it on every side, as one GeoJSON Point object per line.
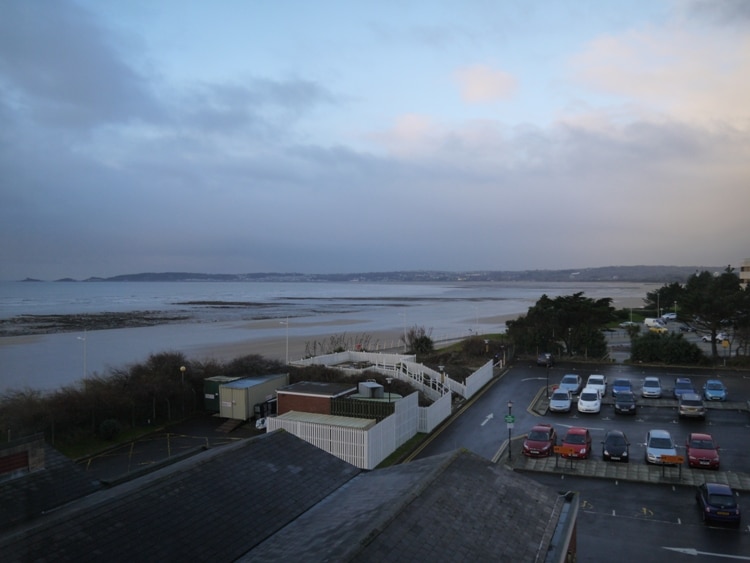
{"type": "Point", "coordinates": [682, 385]}
{"type": "Point", "coordinates": [620, 385]}
{"type": "Point", "coordinates": [718, 503]}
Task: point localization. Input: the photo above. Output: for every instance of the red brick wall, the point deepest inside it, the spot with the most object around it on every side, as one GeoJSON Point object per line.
{"type": "Point", "coordinates": [303, 403]}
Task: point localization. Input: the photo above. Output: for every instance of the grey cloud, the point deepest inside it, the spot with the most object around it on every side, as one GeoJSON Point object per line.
{"type": "Point", "coordinates": [724, 12]}
{"type": "Point", "coordinates": [60, 66]}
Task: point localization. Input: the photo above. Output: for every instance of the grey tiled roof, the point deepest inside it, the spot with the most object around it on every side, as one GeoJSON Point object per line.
{"type": "Point", "coordinates": [452, 507]}
{"type": "Point", "coordinates": [278, 498]}
{"type": "Point", "coordinates": [27, 496]}
{"type": "Point", "coordinates": [214, 506]}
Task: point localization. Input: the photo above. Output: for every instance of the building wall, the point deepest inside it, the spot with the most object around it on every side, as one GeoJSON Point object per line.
{"type": "Point", "coordinates": [745, 272]}
{"type": "Point", "coordinates": [303, 403]}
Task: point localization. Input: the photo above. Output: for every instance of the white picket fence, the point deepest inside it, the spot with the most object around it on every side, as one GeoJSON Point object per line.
{"type": "Point", "coordinates": [367, 448]}
{"type": "Point", "coordinates": [362, 448]}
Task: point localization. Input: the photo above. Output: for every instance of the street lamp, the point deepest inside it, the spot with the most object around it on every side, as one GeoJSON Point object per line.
{"type": "Point", "coordinates": [182, 388]}
{"type": "Point", "coordinates": [389, 380]}
{"type": "Point", "coordinates": [510, 426]}
{"type": "Point", "coordinates": [286, 322]}
{"type": "Point", "coordinates": [84, 352]}
{"type": "Point", "coordinates": [442, 374]}
{"type": "Point", "coordinates": [547, 378]}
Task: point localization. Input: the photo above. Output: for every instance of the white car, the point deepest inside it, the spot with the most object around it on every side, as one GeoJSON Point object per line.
{"type": "Point", "coordinates": [720, 337]}
{"type": "Point", "coordinates": [651, 387]}
{"type": "Point", "coordinates": [666, 317]}
{"type": "Point", "coordinates": [598, 381]}
{"type": "Point", "coordinates": [590, 400]}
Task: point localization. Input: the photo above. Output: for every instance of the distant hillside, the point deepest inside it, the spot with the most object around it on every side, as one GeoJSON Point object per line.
{"type": "Point", "coordinates": [641, 274]}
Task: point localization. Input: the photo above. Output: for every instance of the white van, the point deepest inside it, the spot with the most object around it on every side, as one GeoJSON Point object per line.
{"type": "Point", "coordinates": [653, 322]}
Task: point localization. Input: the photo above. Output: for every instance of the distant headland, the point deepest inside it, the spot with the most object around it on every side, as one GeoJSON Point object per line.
{"type": "Point", "coordinates": [636, 274]}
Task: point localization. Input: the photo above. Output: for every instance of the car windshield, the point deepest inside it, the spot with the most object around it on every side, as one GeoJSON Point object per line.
{"type": "Point", "coordinates": [538, 436]}
{"type": "Point", "coordinates": [714, 386]}
{"type": "Point", "coordinates": [651, 384]}
{"type": "Point", "coordinates": [622, 383]}
{"type": "Point", "coordinates": [661, 443]}
{"type": "Point", "coordinates": [625, 398]}
{"type": "Point", "coordinates": [725, 501]}
{"type": "Point", "coordinates": [596, 380]}
{"type": "Point", "coordinates": [570, 379]}
{"type": "Point", "coordinates": [692, 402]}
{"type": "Point", "coordinates": [683, 385]}
{"type": "Point", "coordinates": [616, 441]}
{"type": "Point", "coordinates": [702, 444]}
{"type": "Point", "coordinates": [589, 396]}
{"type": "Point", "coordinates": [560, 396]}
{"type": "Point", "coordinates": [575, 439]}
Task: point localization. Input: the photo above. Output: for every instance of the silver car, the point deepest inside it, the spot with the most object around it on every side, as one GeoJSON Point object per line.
{"type": "Point", "coordinates": [659, 443]}
{"type": "Point", "coordinates": [560, 401]}
{"type": "Point", "coordinates": [651, 387]}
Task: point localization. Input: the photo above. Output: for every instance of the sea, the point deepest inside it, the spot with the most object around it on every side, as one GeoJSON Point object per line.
{"type": "Point", "coordinates": [217, 314]}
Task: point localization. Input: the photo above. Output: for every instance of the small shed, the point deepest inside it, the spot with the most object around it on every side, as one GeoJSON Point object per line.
{"type": "Point", "coordinates": [211, 391]}
{"type": "Point", "coordinates": [238, 398]}
{"type": "Point", "coordinates": [311, 396]}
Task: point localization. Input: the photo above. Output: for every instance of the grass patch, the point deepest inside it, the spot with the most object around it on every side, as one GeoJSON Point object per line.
{"type": "Point", "coordinates": [406, 448]}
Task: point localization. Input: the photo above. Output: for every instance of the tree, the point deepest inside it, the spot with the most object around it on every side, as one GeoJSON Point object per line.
{"type": "Point", "coordinates": [714, 303]}
{"type": "Point", "coordinates": [572, 322]}
{"type": "Point", "coordinates": [666, 297]}
{"type": "Point", "coordinates": [418, 340]}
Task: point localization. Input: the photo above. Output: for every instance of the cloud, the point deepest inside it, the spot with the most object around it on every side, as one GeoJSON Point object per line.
{"type": "Point", "coordinates": [58, 67]}
{"type": "Point", "coordinates": [671, 73]}
{"type": "Point", "coordinates": [482, 84]}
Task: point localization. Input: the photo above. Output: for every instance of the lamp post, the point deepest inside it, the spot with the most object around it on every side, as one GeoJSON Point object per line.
{"type": "Point", "coordinates": [84, 352]}
{"type": "Point", "coordinates": [286, 323]}
{"type": "Point", "coordinates": [403, 315]}
{"type": "Point", "coordinates": [510, 426]}
{"type": "Point", "coordinates": [182, 388]}
{"type": "Point", "coordinates": [442, 374]}
{"type": "Point", "coordinates": [547, 378]}
{"type": "Point", "coordinates": [389, 380]}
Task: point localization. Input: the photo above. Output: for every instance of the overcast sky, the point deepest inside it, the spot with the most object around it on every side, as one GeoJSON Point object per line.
{"type": "Point", "coordinates": [338, 136]}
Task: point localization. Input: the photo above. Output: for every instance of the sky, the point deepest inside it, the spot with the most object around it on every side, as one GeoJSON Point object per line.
{"type": "Point", "coordinates": [338, 137]}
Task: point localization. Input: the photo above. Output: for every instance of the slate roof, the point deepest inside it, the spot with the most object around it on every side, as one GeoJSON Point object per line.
{"type": "Point", "coordinates": [214, 506]}
{"type": "Point", "coordinates": [25, 497]}
{"type": "Point", "coordinates": [277, 498]}
{"type": "Point", "coordinates": [452, 507]}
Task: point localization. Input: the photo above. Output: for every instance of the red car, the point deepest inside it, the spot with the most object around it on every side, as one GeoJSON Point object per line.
{"type": "Point", "coordinates": [580, 440]}
{"type": "Point", "coordinates": [702, 451]}
{"type": "Point", "coordinates": [540, 441]}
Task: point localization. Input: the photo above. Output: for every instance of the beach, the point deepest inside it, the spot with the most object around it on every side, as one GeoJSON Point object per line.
{"type": "Point", "coordinates": [75, 331]}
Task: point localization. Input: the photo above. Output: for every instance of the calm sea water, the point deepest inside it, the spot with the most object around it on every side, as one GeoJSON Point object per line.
{"type": "Point", "coordinates": [313, 310]}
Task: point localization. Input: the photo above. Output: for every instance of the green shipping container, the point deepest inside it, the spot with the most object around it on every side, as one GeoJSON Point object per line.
{"type": "Point", "coordinates": [211, 391]}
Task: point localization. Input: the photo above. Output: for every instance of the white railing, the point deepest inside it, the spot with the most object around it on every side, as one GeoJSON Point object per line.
{"type": "Point", "coordinates": [478, 379]}
{"type": "Point", "coordinates": [430, 417]}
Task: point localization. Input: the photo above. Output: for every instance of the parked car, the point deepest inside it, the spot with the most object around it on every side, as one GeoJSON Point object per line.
{"type": "Point", "coordinates": [687, 328]}
{"type": "Point", "coordinates": [658, 329]}
{"type": "Point", "coordinates": [702, 451]}
{"type": "Point", "coordinates": [580, 440]}
{"type": "Point", "coordinates": [666, 317]}
{"type": "Point", "coordinates": [545, 359]}
{"type": "Point", "coordinates": [590, 400]}
{"type": "Point", "coordinates": [718, 503]}
{"type": "Point", "coordinates": [560, 401]}
{"type": "Point", "coordinates": [651, 387]}
{"type": "Point", "coordinates": [615, 446]}
{"type": "Point", "coordinates": [625, 403]}
{"type": "Point", "coordinates": [626, 324]}
{"type": "Point", "coordinates": [597, 381]}
{"type": "Point", "coordinates": [659, 443]}
{"type": "Point", "coordinates": [690, 405]}
{"type": "Point", "coordinates": [682, 385]}
{"type": "Point", "coordinates": [572, 382]}
{"type": "Point", "coordinates": [720, 337]}
{"type": "Point", "coordinates": [714, 390]}
{"type": "Point", "coordinates": [540, 441]}
{"type": "Point", "coordinates": [619, 385]}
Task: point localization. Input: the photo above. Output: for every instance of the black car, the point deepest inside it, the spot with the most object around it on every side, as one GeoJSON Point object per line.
{"type": "Point", "coordinates": [545, 359]}
{"type": "Point", "coordinates": [615, 446]}
{"type": "Point", "coordinates": [718, 503]}
{"type": "Point", "coordinates": [625, 403]}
